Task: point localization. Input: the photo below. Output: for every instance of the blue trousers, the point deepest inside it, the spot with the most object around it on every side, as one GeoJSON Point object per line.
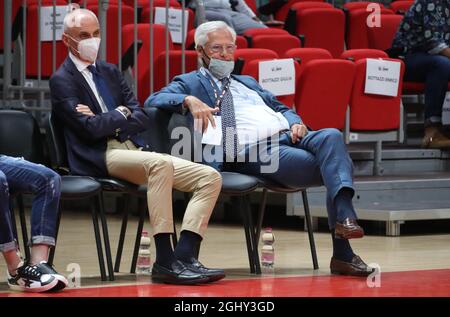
{"type": "Point", "coordinates": [434, 71]}
{"type": "Point", "coordinates": [20, 176]}
{"type": "Point", "coordinates": [319, 156]}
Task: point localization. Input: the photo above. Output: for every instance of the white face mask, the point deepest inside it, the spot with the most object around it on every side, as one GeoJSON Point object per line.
{"type": "Point", "coordinates": [88, 48]}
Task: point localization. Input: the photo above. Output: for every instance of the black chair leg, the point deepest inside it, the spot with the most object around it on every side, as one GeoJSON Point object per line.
{"type": "Point", "coordinates": [312, 243]}
{"type": "Point", "coordinates": [51, 255]}
{"type": "Point", "coordinates": [98, 240]}
{"type": "Point", "coordinates": [240, 204]}
{"type": "Point", "coordinates": [255, 252]}
{"type": "Point", "coordinates": [137, 242]}
{"type": "Point", "coordinates": [105, 236]}
{"type": "Point", "coordinates": [23, 225]}
{"type": "Point", "coordinates": [123, 231]}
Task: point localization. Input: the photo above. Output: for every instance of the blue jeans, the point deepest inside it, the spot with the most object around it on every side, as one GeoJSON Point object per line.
{"type": "Point", "coordinates": [319, 156]}
{"type": "Point", "coordinates": [434, 71]}
{"type": "Point", "coordinates": [20, 176]}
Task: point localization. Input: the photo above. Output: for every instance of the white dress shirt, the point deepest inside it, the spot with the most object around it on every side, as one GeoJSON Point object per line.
{"type": "Point", "coordinates": [255, 120]}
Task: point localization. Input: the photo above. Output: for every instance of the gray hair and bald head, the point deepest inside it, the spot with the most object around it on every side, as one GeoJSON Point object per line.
{"type": "Point", "coordinates": [73, 19]}
{"type": "Point", "coordinates": [202, 31]}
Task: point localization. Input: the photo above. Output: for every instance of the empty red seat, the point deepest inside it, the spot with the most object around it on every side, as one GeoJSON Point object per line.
{"type": "Point", "coordinates": [401, 7]}
{"type": "Point", "coordinates": [304, 55]}
{"type": "Point", "coordinates": [280, 43]}
{"type": "Point", "coordinates": [358, 54]}
{"type": "Point", "coordinates": [175, 62]}
{"type": "Point", "coordinates": [359, 5]}
{"type": "Point", "coordinates": [323, 93]}
{"type": "Point", "coordinates": [282, 13]}
{"type": "Point", "coordinates": [245, 55]}
{"type": "Point", "coordinates": [381, 37]}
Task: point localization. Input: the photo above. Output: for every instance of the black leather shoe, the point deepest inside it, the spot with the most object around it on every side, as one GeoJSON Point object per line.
{"type": "Point", "coordinates": [212, 274]}
{"type": "Point", "coordinates": [356, 267]}
{"type": "Point", "coordinates": [348, 229]}
{"type": "Point", "coordinates": [178, 273]}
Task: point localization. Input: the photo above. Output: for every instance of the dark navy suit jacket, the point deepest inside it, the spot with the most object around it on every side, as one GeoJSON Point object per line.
{"type": "Point", "coordinates": [86, 137]}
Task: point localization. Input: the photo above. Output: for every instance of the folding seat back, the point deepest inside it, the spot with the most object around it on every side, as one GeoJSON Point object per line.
{"type": "Point", "coordinates": [320, 28]}
{"type": "Point", "coordinates": [245, 55]}
{"type": "Point", "coordinates": [282, 13]}
{"type": "Point", "coordinates": [401, 7]}
{"type": "Point", "coordinates": [112, 34]}
{"type": "Point", "coordinates": [349, 6]}
{"type": "Point", "coordinates": [46, 47]}
{"type": "Point", "coordinates": [323, 93]}
{"type": "Point", "coordinates": [143, 59]}
{"type": "Point", "coordinates": [280, 43]}
{"type": "Point", "coordinates": [175, 61]}
{"type": "Point", "coordinates": [381, 38]}
{"type": "Point", "coordinates": [252, 70]}
{"type": "Point", "coordinates": [356, 34]}
{"type": "Point", "coordinates": [357, 54]}
{"type": "Point", "coordinates": [306, 54]}
{"type": "Point", "coordinates": [370, 112]}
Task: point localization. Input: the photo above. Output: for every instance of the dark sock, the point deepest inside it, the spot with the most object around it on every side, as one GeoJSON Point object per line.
{"type": "Point", "coordinates": [164, 252]}
{"type": "Point", "coordinates": [342, 249]}
{"type": "Point", "coordinates": [188, 245]}
{"type": "Point", "coordinates": [344, 205]}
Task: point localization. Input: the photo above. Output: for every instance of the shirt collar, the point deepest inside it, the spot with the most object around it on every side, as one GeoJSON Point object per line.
{"type": "Point", "coordinates": [79, 64]}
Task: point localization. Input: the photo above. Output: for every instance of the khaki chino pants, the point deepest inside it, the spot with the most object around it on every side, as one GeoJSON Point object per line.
{"type": "Point", "coordinates": [162, 173]}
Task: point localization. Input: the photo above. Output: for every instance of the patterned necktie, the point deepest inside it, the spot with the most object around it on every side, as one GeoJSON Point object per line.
{"type": "Point", "coordinates": [229, 132]}
{"type": "Point", "coordinates": [102, 88]}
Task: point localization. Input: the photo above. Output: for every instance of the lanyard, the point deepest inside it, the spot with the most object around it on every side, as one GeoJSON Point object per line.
{"type": "Point", "coordinates": [217, 97]}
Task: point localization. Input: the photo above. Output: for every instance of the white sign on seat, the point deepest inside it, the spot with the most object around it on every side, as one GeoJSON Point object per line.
{"type": "Point", "coordinates": [175, 22]}
{"type": "Point", "coordinates": [48, 24]}
{"type": "Point", "coordinates": [382, 77]}
{"type": "Point", "coordinates": [278, 76]}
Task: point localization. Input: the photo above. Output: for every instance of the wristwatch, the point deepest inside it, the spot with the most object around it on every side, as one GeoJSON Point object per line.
{"type": "Point", "coordinates": [124, 110]}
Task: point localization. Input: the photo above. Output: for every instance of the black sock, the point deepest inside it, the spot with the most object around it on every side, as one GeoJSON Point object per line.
{"type": "Point", "coordinates": [164, 252]}
{"type": "Point", "coordinates": [342, 249]}
{"type": "Point", "coordinates": [344, 205]}
{"type": "Point", "coordinates": [188, 245]}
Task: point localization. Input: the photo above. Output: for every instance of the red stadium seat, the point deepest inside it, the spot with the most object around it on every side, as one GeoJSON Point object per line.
{"type": "Point", "coordinates": [263, 31]}
{"type": "Point", "coordinates": [304, 55]}
{"type": "Point", "coordinates": [252, 69]}
{"type": "Point", "coordinates": [112, 46]}
{"type": "Point", "coordinates": [279, 43]}
{"type": "Point", "coordinates": [358, 54]}
{"type": "Point", "coordinates": [245, 55]}
{"type": "Point", "coordinates": [356, 34]}
{"type": "Point", "coordinates": [401, 7]}
{"type": "Point", "coordinates": [320, 28]}
{"type": "Point", "coordinates": [143, 59]}
{"type": "Point", "coordinates": [323, 93]}
{"type": "Point", "coordinates": [282, 13]}
{"type": "Point", "coordinates": [359, 5]}
{"type": "Point", "coordinates": [174, 66]}
{"type": "Point", "coordinates": [381, 38]}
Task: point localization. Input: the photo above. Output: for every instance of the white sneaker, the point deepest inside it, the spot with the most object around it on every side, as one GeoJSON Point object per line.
{"type": "Point", "coordinates": [31, 278]}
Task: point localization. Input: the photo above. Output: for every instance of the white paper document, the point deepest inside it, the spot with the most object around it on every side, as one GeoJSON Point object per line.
{"type": "Point", "coordinates": [48, 23]}
{"type": "Point", "coordinates": [213, 136]}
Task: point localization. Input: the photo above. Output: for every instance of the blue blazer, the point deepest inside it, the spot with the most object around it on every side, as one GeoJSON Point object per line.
{"type": "Point", "coordinates": [86, 137]}
{"type": "Point", "coordinates": [194, 83]}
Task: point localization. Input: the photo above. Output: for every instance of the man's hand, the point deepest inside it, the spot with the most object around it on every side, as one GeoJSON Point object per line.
{"type": "Point", "coordinates": [84, 110]}
{"type": "Point", "coordinates": [298, 131]}
{"type": "Point", "coordinates": [201, 113]}
{"type": "Point", "coordinates": [446, 52]}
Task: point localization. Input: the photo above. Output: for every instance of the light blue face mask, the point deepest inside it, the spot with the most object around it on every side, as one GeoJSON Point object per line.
{"type": "Point", "coordinates": [219, 68]}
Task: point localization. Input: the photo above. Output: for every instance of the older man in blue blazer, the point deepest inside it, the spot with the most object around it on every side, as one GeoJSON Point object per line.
{"type": "Point", "coordinates": [249, 120]}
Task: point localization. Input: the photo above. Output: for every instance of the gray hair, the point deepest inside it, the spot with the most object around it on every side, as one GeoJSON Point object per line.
{"type": "Point", "coordinates": [73, 18]}
{"type": "Point", "coordinates": [202, 31]}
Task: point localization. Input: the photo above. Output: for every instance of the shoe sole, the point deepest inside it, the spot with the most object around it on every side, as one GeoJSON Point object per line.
{"type": "Point", "coordinates": [356, 234]}
{"type": "Point", "coordinates": [41, 289]}
{"type": "Point", "coordinates": [350, 274]}
{"type": "Point", "coordinates": [164, 280]}
{"type": "Point", "coordinates": [215, 278]}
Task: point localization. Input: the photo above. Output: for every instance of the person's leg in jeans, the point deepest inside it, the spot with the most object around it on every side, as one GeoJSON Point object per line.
{"type": "Point", "coordinates": [26, 177]}
{"type": "Point", "coordinates": [8, 244]}
{"type": "Point", "coordinates": [319, 156]}
{"type": "Point", "coordinates": [434, 71]}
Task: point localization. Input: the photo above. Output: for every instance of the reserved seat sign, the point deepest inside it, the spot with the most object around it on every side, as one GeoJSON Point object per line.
{"type": "Point", "coordinates": [278, 76]}
{"type": "Point", "coordinates": [382, 77]}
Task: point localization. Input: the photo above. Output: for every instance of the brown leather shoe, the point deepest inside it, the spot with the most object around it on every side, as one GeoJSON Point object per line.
{"type": "Point", "coordinates": [435, 139]}
{"type": "Point", "coordinates": [348, 229]}
{"type": "Point", "coordinates": [356, 267]}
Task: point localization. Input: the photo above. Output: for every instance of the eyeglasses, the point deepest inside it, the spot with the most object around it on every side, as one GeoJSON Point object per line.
{"type": "Point", "coordinates": [217, 48]}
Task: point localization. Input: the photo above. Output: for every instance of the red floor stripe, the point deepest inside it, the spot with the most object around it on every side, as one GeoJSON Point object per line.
{"type": "Point", "coordinates": [427, 283]}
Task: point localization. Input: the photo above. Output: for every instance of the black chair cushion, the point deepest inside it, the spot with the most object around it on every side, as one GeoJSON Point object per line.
{"type": "Point", "coordinates": [273, 186]}
{"type": "Point", "coordinates": [238, 184]}
{"type": "Point", "coordinates": [117, 185]}
{"type": "Point", "coordinates": [78, 187]}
